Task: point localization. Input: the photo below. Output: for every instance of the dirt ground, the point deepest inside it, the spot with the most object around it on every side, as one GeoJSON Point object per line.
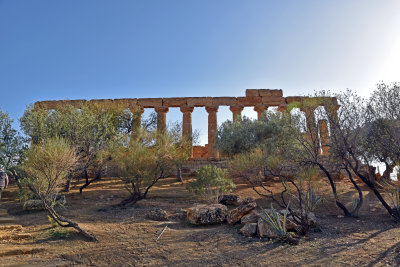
{"type": "Point", "coordinates": [127, 238]}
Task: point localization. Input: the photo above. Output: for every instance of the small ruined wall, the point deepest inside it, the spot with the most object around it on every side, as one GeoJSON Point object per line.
{"type": "Point", "coordinates": [200, 151]}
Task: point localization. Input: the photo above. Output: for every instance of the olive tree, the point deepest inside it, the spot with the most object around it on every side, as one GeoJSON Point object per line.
{"type": "Point", "coordinates": [90, 129]}
{"type": "Point", "coordinates": [143, 162]}
{"type": "Point", "coordinates": [12, 148]}
{"type": "Point", "coordinates": [359, 138]}
{"type": "Point", "coordinates": [47, 165]}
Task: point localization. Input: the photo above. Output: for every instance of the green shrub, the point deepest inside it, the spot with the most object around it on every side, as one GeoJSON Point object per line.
{"type": "Point", "coordinates": [210, 183]}
{"type": "Point", "coordinates": [59, 233]}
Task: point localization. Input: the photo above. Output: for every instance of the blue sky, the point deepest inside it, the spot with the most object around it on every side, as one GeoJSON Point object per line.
{"type": "Point", "coordinates": [89, 49]}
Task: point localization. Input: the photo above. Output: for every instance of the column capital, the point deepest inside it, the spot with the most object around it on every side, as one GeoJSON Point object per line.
{"type": "Point", "coordinates": [211, 109]}
{"type": "Point", "coordinates": [236, 108]}
{"type": "Point", "coordinates": [138, 109]}
{"type": "Point", "coordinates": [185, 109]}
{"type": "Point", "coordinates": [161, 109]}
{"type": "Point", "coordinates": [260, 108]}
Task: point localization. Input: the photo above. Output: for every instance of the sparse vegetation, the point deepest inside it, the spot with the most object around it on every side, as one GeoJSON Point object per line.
{"type": "Point", "coordinates": [211, 182]}
{"type": "Point", "coordinates": [144, 162]}
{"type": "Point", "coordinates": [47, 166]}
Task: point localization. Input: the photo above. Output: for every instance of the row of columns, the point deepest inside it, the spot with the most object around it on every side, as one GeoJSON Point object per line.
{"type": "Point", "coordinates": [187, 121]}
{"type": "Point", "coordinates": [236, 115]}
{"type": "Point", "coordinates": [319, 132]}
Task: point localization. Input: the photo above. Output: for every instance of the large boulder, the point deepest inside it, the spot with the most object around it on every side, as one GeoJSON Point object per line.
{"type": "Point", "coordinates": [157, 215]}
{"type": "Point", "coordinates": [235, 215]}
{"type": "Point", "coordinates": [249, 229]}
{"type": "Point", "coordinates": [207, 214]}
{"type": "Point", "coordinates": [265, 230]}
{"type": "Point", "coordinates": [230, 200]}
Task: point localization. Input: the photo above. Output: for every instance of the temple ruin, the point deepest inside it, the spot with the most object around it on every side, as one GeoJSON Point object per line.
{"type": "Point", "coordinates": [259, 99]}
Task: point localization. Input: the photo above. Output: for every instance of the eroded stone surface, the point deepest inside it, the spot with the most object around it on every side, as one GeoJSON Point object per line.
{"type": "Point", "coordinates": [249, 229]}
{"type": "Point", "coordinates": [235, 215]}
{"type": "Point", "coordinates": [251, 217]}
{"type": "Point", "coordinates": [230, 200]}
{"type": "Point", "coordinates": [207, 214]}
{"type": "Point", "coordinates": [265, 230]}
{"type": "Point", "coordinates": [157, 215]}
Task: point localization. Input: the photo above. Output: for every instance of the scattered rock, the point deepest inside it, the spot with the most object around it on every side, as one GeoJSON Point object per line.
{"type": "Point", "coordinates": [230, 200]}
{"type": "Point", "coordinates": [157, 215]}
{"type": "Point", "coordinates": [251, 217]}
{"type": "Point", "coordinates": [249, 229]}
{"type": "Point", "coordinates": [207, 214]}
{"type": "Point", "coordinates": [265, 230]}
{"type": "Point", "coordinates": [235, 215]}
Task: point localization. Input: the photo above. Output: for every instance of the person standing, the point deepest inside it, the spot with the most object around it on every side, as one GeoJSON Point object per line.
{"type": "Point", "coordinates": [3, 180]}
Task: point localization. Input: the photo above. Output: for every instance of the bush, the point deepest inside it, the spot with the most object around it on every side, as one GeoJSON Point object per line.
{"type": "Point", "coordinates": [47, 166]}
{"type": "Point", "coordinates": [210, 183]}
{"type": "Point", "coordinates": [144, 162]}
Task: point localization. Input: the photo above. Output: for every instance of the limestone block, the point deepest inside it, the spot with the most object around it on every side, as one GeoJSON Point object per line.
{"type": "Point", "coordinates": [157, 215]}
{"type": "Point", "coordinates": [252, 92]}
{"type": "Point", "coordinates": [77, 103]}
{"type": "Point", "coordinates": [250, 229]}
{"type": "Point", "coordinates": [149, 102]}
{"type": "Point", "coordinates": [224, 101]}
{"type": "Point", "coordinates": [230, 200]}
{"type": "Point", "coordinates": [265, 230]}
{"type": "Point", "coordinates": [199, 101]}
{"type": "Point", "coordinates": [271, 92]}
{"type": "Point", "coordinates": [48, 104]}
{"type": "Point", "coordinates": [126, 102]}
{"type": "Point", "coordinates": [207, 214]}
{"type": "Point", "coordinates": [105, 102]}
{"type": "Point", "coordinates": [273, 100]}
{"type": "Point", "coordinates": [249, 101]}
{"type": "Point", "coordinates": [251, 217]}
{"type": "Point", "coordinates": [174, 101]}
{"type": "Point", "coordinates": [235, 215]}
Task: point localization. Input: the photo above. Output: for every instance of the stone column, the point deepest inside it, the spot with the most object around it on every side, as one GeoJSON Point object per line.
{"type": "Point", "coordinates": [137, 112]}
{"type": "Point", "coordinates": [212, 131]}
{"type": "Point", "coordinates": [282, 107]}
{"type": "Point", "coordinates": [236, 112]}
{"type": "Point", "coordinates": [310, 117]}
{"type": "Point", "coordinates": [333, 116]}
{"type": "Point", "coordinates": [161, 118]}
{"type": "Point", "coordinates": [187, 123]}
{"type": "Point", "coordinates": [260, 110]}
{"type": "Point", "coordinates": [324, 136]}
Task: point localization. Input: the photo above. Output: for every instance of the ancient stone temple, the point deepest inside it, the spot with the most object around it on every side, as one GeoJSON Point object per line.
{"type": "Point", "coordinates": [259, 99]}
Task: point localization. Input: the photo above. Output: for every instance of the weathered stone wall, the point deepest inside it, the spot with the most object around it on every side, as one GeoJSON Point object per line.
{"type": "Point", "coordinates": [200, 151]}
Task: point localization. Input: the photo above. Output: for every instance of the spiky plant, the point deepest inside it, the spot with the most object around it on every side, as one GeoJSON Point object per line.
{"type": "Point", "coordinates": [273, 219]}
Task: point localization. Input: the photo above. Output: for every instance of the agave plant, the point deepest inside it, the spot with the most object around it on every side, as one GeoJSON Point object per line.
{"type": "Point", "coordinates": [273, 219]}
{"type": "Point", "coordinates": [312, 199]}
{"type": "Point", "coordinates": [355, 202]}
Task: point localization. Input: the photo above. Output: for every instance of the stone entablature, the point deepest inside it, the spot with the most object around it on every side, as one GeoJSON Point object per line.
{"type": "Point", "coordinates": [253, 97]}
{"type": "Point", "coordinates": [260, 99]}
